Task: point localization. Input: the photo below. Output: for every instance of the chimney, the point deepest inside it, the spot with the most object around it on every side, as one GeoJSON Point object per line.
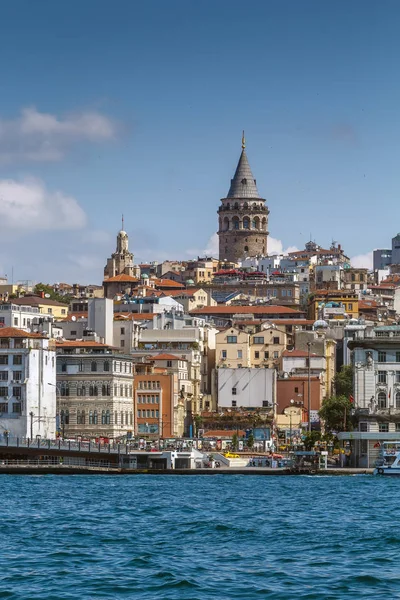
{"type": "Point", "coordinates": [41, 294]}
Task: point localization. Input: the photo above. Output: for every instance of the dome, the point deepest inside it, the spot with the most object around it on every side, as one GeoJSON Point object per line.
{"type": "Point", "coordinates": [353, 322]}
{"type": "Point", "coordinates": [145, 276]}
{"type": "Point", "coordinates": [189, 282]}
{"type": "Point", "coordinates": [122, 233]}
{"type": "Point", "coordinates": [320, 324]}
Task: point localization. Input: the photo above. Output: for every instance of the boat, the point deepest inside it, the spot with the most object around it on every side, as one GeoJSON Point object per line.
{"type": "Point", "coordinates": [388, 462]}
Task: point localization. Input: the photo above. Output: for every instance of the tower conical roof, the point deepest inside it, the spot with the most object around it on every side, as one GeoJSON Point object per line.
{"type": "Point", "coordinates": [243, 184]}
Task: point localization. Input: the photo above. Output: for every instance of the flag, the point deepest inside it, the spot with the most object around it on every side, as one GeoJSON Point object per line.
{"type": "Point", "coordinates": [351, 398]}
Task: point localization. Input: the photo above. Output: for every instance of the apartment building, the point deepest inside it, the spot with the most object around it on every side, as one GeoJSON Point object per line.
{"type": "Point", "coordinates": [27, 384]}
{"type": "Point", "coordinates": [95, 391]}
{"type": "Point", "coordinates": [236, 348]}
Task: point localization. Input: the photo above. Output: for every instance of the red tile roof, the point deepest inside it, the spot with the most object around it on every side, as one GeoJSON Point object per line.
{"type": "Point", "coordinates": [121, 278]}
{"type": "Point", "coordinates": [297, 353]}
{"type": "Point", "coordinates": [168, 283]}
{"type": "Point", "coordinates": [166, 357]}
{"type": "Point", "coordinates": [35, 300]}
{"type": "Point", "coordinates": [13, 332]}
{"type": "Point", "coordinates": [240, 310]}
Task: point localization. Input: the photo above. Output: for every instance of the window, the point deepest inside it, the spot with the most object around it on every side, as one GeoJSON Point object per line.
{"type": "Point", "coordinates": [122, 343]}
{"type": "Point", "coordinates": [17, 359]}
{"type": "Point", "coordinates": [73, 332]}
{"type": "Point", "coordinates": [296, 390]}
{"type": "Point", "coordinates": [15, 321]}
{"type": "Point", "coordinates": [350, 306]}
{"type": "Point", "coordinates": [115, 418]}
{"type": "Point", "coordinates": [122, 330]}
{"type": "Point", "coordinates": [80, 366]}
{"type": "Point", "coordinates": [152, 414]}
{"type": "Point", "coordinates": [66, 418]}
{"type": "Point", "coordinates": [78, 417]}
{"type": "Point", "coordinates": [381, 356]}
{"type": "Point", "coordinates": [276, 354]}
{"type": "Point", "coordinates": [234, 403]}
{"type": "Point", "coordinates": [383, 427]}
{"type": "Point", "coordinates": [223, 353]}
{"type": "Point", "coordinates": [381, 400]}
{"type": "Point", "coordinates": [397, 399]}
{"type": "Point", "coordinates": [103, 417]}
{"type": "Point", "coordinates": [397, 426]}
{"type": "Point", "coordinates": [256, 354]}
{"type": "Point", "coordinates": [64, 367]}
{"type": "Point", "coordinates": [276, 340]}
{"type": "Point", "coordinates": [4, 360]}
{"type": "Point", "coordinates": [397, 357]}
{"type": "Point", "coordinates": [397, 376]}
{"type": "Point", "coordinates": [93, 366]}
{"type": "Point", "coordinates": [106, 366]}
{"type": "Point", "coordinates": [121, 390]}
{"type": "Point", "coordinates": [17, 392]}
{"type": "Point", "coordinates": [16, 407]}
{"type": "Point", "coordinates": [232, 339]}
{"type": "Point", "coordinates": [103, 391]}
{"type": "Point", "coordinates": [83, 417]}
{"type": "Point", "coordinates": [258, 340]}
{"type": "Point", "coordinates": [139, 413]}
{"type": "Point", "coordinates": [3, 407]}
{"type": "Point", "coordinates": [382, 377]}
{"type": "Point", "coordinates": [240, 353]}
{"type": "Point", "coordinates": [157, 414]}
{"type": "Point", "coordinates": [265, 403]}
{"type": "Point", "coordinates": [169, 363]}
{"type": "Point", "coordinates": [122, 418]}
{"type": "Point", "coordinates": [363, 426]}
{"type": "Point", "coordinates": [3, 375]}
{"type": "Point", "coordinates": [233, 391]}
{"type": "Point", "coordinates": [266, 355]}
{"type": "Point", "coordinates": [95, 417]}
{"type": "Point", "coordinates": [90, 417]}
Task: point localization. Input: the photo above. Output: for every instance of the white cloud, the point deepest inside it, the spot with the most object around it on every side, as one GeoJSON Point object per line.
{"type": "Point", "coordinates": [29, 205]}
{"type": "Point", "coordinates": [363, 261]}
{"type": "Point", "coordinates": [36, 136]}
{"type": "Point", "coordinates": [212, 248]}
{"type": "Point", "coordinates": [275, 246]}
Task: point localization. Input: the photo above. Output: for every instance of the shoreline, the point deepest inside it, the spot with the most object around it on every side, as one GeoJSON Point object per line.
{"type": "Point", "coordinates": [256, 471]}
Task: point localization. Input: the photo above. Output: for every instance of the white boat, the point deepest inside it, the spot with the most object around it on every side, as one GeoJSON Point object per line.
{"type": "Point", "coordinates": [388, 462]}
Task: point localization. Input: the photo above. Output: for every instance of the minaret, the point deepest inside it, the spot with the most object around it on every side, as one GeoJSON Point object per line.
{"type": "Point", "coordinates": [243, 216]}
{"type": "Point", "coordinates": [121, 261]}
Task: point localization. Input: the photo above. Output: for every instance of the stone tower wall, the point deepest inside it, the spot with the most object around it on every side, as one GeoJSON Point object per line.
{"type": "Point", "coordinates": [243, 230]}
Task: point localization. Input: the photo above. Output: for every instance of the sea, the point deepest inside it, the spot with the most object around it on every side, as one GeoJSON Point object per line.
{"type": "Point", "coordinates": [199, 537]}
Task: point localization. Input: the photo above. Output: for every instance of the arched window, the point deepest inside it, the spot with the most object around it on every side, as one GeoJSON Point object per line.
{"type": "Point", "coordinates": [245, 206]}
{"type": "Point", "coordinates": [246, 248]}
{"type": "Point", "coordinates": [95, 390]}
{"type": "Point", "coordinates": [115, 418]}
{"type": "Point", "coordinates": [62, 417]}
{"type": "Point", "coordinates": [90, 417]}
{"type": "Point", "coordinates": [83, 391]}
{"type": "Point", "coordinates": [264, 224]}
{"type": "Point", "coordinates": [108, 390]}
{"type": "Point", "coordinates": [67, 417]}
{"type": "Point", "coordinates": [106, 365]}
{"type": "Point", "coordinates": [235, 222]}
{"type": "Point", "coordinates": [246, 223]}
{"type": "Point", "coordinates": [95, 417]}
{"type": "Point", "coordinates": [103, 417]}
{"type": "Point", "coordinates": [91, 390]}
{"type": "Point", "coordinates": [107, 417]}
{"type": "Point", "coordinates": [122, 418]}
{"type": "Point", "coordinates": [83, 417]}
{"type": "Point", "coordinates": [226, 224]}
{"type": "Point", "coordinates": [381, 400]}
{"type": "Point", "coordinates": [228, 206]}
{"type": "Point", "coordinates": [236, 206]}
{"type": "Point", "coordinates": [104, 390]}
{"type": "Point", "coordinates": [398, 400]}
{"type": "Point", "coordinates": [78, 417]}
{"type": "Point", "coordinates": [93, 366]}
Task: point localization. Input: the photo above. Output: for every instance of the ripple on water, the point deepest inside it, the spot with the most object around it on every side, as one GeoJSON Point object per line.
{"type": "Point", "coordinates": [198, 538]}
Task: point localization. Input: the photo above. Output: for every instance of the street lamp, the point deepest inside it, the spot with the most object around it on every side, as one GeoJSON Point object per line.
{"type": "Point", "coordinates": [309, 385]}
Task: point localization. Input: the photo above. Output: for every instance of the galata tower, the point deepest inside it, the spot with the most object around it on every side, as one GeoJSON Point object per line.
{"type": "Point", "coordinates": [243, 216]}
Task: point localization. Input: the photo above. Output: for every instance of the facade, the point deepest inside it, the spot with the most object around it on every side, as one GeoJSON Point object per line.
{"type": "Point", "coordinates": [345, 299]}
{"type": "Point", "coordinates": [95, 391]}
{"type": "Point", "coordinates": [232, 348]}
{"type": "Point", "coordinates": [27, 385]}
{"type": "Point", "coordinates": [237, 348]}
{"type": "Point", "coordinates": [46, 306]}
{"type": "Point", "coordinates": [160, 410]}
{"type": "Point", "coordinates": [15, 315]}
{"type": "Point", "coordinates": [382, 259]}
{"type": "Point", "coordinates": [201, 270]}
{"type": "Point", "coordinates": [246, 388]}
{"type": "Point", "coordinates": [121, 261]}
{"type": "Point", "coordinates": [243, 216]}
{"type": "Point", "coordinates": [355, 279]}
{"type": "Point", "coordinates": [396, 250]}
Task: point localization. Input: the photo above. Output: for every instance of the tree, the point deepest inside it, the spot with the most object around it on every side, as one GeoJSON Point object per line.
{"type": "Point", "coordinates": [47, 289]}
{"type": "Point", "coordinates": [311, 438]}
{"type": "Point", "coordinates": [235, 441]}
{"type": "Point", "coordinates": [336, 413]}
{"type": "Point", "coordinates": [344, 382]}
{"type": "Point", "coordinates": [250, 441]}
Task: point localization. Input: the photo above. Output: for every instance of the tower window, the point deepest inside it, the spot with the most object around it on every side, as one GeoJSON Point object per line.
{"type": "Point", "coordinates": [246, 248]}
{"type": "Point", "coordinates": [246, 223]}
{"type": "Point", "coordinates": [244, 181]}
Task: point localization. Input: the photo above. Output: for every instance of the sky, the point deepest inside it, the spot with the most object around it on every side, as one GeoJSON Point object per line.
{"type": "Point", "coordinates": [111, 107]}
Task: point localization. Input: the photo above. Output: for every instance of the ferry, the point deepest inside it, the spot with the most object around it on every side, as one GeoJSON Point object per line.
{"type": "Point", "coordinates": [388, 462]}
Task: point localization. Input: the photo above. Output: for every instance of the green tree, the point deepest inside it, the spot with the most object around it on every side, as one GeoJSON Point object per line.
{"type": "Point", "coordinates": [344, 381]}
{"type": "Point", "coordinates": [250, 441]}
{"type": "Point", "coordinates": [235, 441]}
{"type": "Point", "coordinates": [336, 413]}
{"type": "Point", "coordinates": [311, 438]}
{"type": "Point", "coordinates": [47, 289]}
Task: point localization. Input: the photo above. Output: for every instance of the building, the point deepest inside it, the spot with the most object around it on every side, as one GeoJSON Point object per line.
{"type": "Point", "coordinates": [376, 392]}
{"type": "Point", "coordinates": [246, 388]}
{"type": "Point", "coordinates": [243, 216]}
{"type": "Point", "coordinates": [221, 315]}
{"type": "Point", "coordinates": [346, 300]}
{"type": "Point", "coordinates": [46, 306]}
{"type": "Point", "coordinates": [201, 270]}
{"type": "Point", "coordinates": [382, 259]}
{"type": "Point", "coordinates": [121, 261]}
{"type": "Point", "coordinates": [355, 279]}
{"type": "Point", "coordinates": [396, 250]}
{"type": "Point", "coordinates": [159, 407]}
{"type": "Point", "coordinates": [236, 348]}
{"type": "Point", "coordinates": [232, 349]}
{"type": "Point", "coordinates": [95, 391]}
{"type": "Point", "coordinates": [27, 385]}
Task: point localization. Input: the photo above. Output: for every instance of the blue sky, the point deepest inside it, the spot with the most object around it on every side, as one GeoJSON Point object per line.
{"type": "Point", "coordinates": [138, 107]}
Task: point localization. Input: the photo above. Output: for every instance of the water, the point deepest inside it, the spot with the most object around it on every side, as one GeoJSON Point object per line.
{"type": "Point", "coordinates": [199, 537]}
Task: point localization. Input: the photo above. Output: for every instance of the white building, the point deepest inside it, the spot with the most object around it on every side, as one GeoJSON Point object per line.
{"type": "Point", "coordinates": [27, 385]}
{"type": "Point", "coordinates": [246, 388]}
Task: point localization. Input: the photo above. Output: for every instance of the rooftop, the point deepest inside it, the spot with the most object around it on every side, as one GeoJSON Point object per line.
{"type": "Point", "coordinates": [13, 332]}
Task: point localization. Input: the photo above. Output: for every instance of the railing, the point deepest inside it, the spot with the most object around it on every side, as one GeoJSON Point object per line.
{"type": "Point", "coordinates": [56, 463]}
{"type": "Point", "coordinates": [114, 448]}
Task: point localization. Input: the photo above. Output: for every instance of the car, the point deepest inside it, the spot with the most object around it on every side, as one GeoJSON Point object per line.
{"type": "Point", "coordinates": [230, 455]}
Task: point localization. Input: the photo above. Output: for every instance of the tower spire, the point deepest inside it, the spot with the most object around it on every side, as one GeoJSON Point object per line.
{"type": "Point", "coordinates": [243, 141]}
{"type": "Point", "coordinates": [122, 221]}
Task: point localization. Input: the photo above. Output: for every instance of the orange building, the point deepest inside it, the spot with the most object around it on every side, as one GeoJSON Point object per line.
{"type": "Point", "coordinates": [296, 389]}
{"type": "Point", "coordinates": [159, 409]}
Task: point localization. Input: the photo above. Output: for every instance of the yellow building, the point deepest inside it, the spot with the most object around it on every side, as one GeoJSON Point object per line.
{"type": "Point", "coordinates": [320, 301]}
{"type": "Point", "coordinates": [236, 348]}
{"type": "Point", "coordinates": [232, 348]}
{"type": "Point", "coordinates": [46, 306]}
{"type": "Point", "coordinates": [201, 270]}
{"type": "Point", "coordinates": [266, 346]}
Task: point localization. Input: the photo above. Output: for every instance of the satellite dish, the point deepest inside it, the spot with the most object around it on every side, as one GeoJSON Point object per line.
{"type": "Point", "coordinates": [47, 295]}
{"type": "Point", "coordinates": [73, 318]}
